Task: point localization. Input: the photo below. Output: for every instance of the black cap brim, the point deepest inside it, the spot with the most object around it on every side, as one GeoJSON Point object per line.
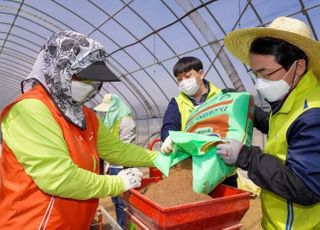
{"type": "Point", "coordinates": [97, 71]}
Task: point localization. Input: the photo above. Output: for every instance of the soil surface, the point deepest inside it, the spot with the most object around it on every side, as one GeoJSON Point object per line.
{"type": "Point", "coordinates": [176, 189]}
{"type": "Point", "coordinates": [252, 218]}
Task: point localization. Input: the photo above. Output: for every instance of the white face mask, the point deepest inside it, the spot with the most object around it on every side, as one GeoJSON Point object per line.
{"type": "Point", "coordinates": [189, 86]}
{"type": "Point", "coordinates": [272, 90]}
{"type": "Point", "coordinates": [80, 90]}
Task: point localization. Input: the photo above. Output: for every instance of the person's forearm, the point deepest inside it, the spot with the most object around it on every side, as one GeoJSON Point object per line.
{"type": "Point", "coordinates": [115, 151]}
{"type": "Point", "coordinates": [269, 173]}
{"type": "Point", "coordinates": [76, 183]}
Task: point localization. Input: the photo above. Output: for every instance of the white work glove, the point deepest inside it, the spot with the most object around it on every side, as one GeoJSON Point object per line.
{"type": "Point", "coordinates": [229, 150]}
{"type": "Point", "coordinates": [131, 178]}
{"type": "Point", "coordinates": [167, 145]}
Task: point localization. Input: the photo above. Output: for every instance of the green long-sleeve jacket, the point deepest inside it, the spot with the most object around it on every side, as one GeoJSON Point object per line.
{"type": "Point", "coordinates": [36, 139]}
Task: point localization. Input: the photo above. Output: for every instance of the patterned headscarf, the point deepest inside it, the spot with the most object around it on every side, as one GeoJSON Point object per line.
{"type": "Point", "coordinates": [66, 53]}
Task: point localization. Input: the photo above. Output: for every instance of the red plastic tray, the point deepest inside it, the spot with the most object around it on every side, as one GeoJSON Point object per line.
{"type": "Point", "coordinates": [224, 211]}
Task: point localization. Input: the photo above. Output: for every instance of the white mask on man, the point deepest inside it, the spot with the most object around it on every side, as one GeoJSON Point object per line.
{"type": "Point", "coordinates": [272, 90]}
{"type": "Point", "coordinates": [189, 86]}
{"type": "Point", "coordinates": [81, 90]}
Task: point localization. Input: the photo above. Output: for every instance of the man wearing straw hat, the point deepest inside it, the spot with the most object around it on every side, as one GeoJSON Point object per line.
{"type": "Point", "coordinates": [285, 60]}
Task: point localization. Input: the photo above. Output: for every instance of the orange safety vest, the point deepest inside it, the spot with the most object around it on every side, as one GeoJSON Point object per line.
{"type": "Point", "coordinates": [23, 205]}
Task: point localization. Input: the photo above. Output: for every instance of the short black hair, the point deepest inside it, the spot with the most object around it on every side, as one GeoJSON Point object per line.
{"type": "Point", "coordinates": [285, 53]}
{"type": "Point", "coordinates": [186, 64]}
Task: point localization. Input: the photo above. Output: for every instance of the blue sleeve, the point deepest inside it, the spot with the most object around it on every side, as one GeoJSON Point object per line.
{"type": "Point", "coordinates": [171, 119]}
{"type": "Point", "coordinates": [304, 149]}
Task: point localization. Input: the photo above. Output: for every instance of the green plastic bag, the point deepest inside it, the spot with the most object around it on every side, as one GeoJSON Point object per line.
{"type": "Point", "coordinates": [185, 144]}
{"type": "Point", "coordinates": [208, 169]}
{"type": "Point", "coordinates": [227, 115]}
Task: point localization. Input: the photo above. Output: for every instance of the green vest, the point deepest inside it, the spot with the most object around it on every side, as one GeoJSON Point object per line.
{"type": "Point", "coordinates": [186, 107]}
{"type": "Point", "coordinates": [279, 213]}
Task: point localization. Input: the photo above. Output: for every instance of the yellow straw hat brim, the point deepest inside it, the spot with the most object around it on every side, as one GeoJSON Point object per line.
{"type": "Point", "coordinates": [238, 43]}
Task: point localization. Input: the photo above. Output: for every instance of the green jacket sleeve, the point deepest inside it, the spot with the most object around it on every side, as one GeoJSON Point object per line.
{"type": "Point", "coordinates": [112, 149]}
{"type": "Point", "coordinates": [37, 141]}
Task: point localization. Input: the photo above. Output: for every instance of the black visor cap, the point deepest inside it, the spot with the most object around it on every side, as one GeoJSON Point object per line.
{"type": "Point", "coordinates": [97, 71]}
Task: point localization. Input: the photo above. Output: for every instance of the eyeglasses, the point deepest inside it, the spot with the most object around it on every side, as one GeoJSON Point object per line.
{"type": "Point", "coordinates": [253, 75]}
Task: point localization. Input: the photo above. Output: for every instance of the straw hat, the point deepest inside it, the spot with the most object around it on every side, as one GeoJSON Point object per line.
{"type": "Point", "coordinates": [291, 30]}
{"type": "Point", "coordinates": [105, 104]}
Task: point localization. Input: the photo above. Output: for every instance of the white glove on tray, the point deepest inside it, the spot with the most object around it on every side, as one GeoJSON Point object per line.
{"type": "Point", "coordinates": [131, 178]}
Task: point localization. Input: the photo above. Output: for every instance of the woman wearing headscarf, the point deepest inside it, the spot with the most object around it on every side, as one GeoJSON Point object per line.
{"type": "Point", "coordinates": [118, 118]}
{"type": "Point", "coordinates": [52, 142]}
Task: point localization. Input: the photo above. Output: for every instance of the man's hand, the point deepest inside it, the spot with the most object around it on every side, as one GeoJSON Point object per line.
{"type": "Point", "coordinates": [229, 150]}
{"type": "Point", "coordinates": [167, 145]}
{"type": "Point", "coordinates": [131, 178]}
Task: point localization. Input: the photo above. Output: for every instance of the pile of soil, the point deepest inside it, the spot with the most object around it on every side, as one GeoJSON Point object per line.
{"type": "Point", "coordinates": [176, 189]}
{"type": "Point", "coordinates": [252, 218]}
